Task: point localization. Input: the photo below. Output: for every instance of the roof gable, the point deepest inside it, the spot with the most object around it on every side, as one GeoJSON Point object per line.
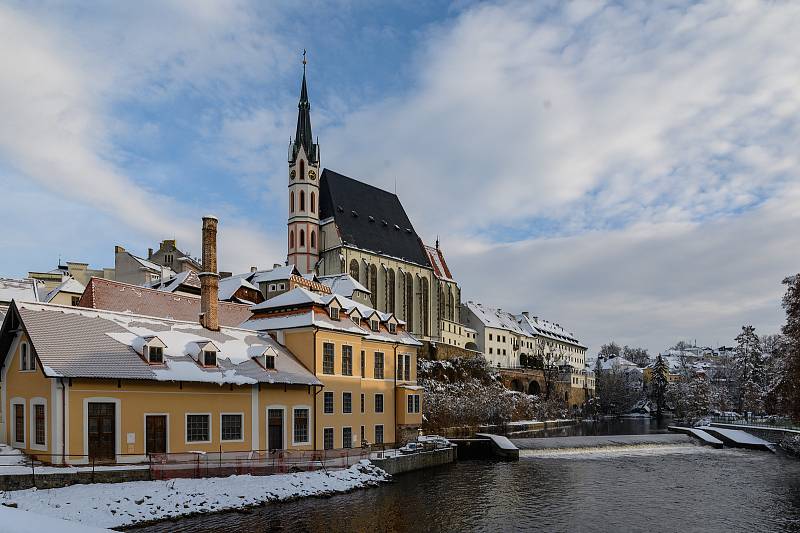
{"type": "Point", "coordinates": [369, 218]}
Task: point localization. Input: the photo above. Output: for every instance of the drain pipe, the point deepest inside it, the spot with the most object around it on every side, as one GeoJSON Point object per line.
{"type": "Point", "coordinates": [63, 421]}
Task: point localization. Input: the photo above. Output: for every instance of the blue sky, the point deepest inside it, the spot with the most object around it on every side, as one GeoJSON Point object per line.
{"type": "Point", "coordinates": [626, 169]}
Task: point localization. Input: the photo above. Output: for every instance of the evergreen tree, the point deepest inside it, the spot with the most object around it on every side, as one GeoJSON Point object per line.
{"type": "Point", "coordinates": [658, 383]}
{"type": "Point", "coordinates": [750, 369]}
{"type": "Point", "coordinates": [791, 332]}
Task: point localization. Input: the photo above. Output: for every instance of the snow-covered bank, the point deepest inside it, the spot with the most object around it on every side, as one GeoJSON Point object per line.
{"type": "Point", "coordinates": [121, 504]}
{"type": "Point", "coordinates": [16, 521]}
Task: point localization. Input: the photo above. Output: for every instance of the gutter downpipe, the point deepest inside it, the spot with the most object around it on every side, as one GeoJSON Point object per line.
{"type": "Point", "coordinates": [63, 422]}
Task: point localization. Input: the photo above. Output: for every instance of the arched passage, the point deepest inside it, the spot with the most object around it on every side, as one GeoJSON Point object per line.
{"type": "Point", "coordinates": [533, 388]}
{"type": "Point", "coordinates": [516, 385]}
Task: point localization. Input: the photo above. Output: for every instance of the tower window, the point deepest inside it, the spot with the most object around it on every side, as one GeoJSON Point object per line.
{"type": "Point", "coordinates": [302, 169]}
{"type": "Point", "coordinates": [313, 206]}
{"type": "Point", "coordinates": [291, 202]}
{"type": "Point", "coordinates": [291, 239]}
{"type": "Point", "coordinates": [313, 239]}
{"type": "Point", "coordinates": [302, 236]}
{"type": "Point", "coordinates": [302, 201]}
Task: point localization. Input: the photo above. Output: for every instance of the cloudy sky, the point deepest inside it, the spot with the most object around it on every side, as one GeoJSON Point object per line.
{"type": "Point", "coordinates": [629, 170]}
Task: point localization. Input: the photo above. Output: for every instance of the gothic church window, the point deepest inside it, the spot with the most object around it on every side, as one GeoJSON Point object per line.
{"type": "Point", "coordinates": [390, 293]}
{"type": "Point", "coordinates": [409, 301]}
{"type": "Point", "coordinates": [354, 269]}
{"type": "Point", "coordinates": [313, 204]}
{"type": "Point", "coordinates": [291, 239]}
{"type": "Point", "coordinates": [373, 285]}
{"type": "Point", "coordinates": [425, 306]}
{"type": "Point", "coordinates": [302, 201]}
{"type": "Point", "coordinates": [302, 237]}
{"type": "Point", "coordinates": [291, 202]}
{"type": "Point", "coordinates": [313, 239]}
{"type": "Point", "coordinates": [302, 169]}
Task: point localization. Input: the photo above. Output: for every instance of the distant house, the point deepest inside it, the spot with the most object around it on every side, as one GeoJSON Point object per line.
{"type": "Point", "coordinates": [80, 272]}
{"type": "Point", "coordinates": [186, 282]}
{"type": "Point", "coordinates": [347, 286]}
{"type": "Point", "coordinates": [168, 255]}
{"type": "Point", "coordinates": [129, 268]}
{"type": "Point", "coordinates": [68, 293]}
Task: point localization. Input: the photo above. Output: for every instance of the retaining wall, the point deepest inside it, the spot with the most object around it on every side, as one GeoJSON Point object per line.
{"type": "Point", "coordinates": [64, 479]}
{"type": "Point", "coordinates": [417, 461]}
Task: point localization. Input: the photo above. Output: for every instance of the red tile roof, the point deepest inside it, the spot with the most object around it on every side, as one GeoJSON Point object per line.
{"type": "Point", "coordinates": [439, 264]}
{"type": "Point", "coordinates": [123, 297]}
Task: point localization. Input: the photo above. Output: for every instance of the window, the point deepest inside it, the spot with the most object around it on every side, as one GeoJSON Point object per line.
{"type": "Point", "coordinates": [155, 354]}
{"type": "Point", "coordinates": [313, 207]}
{"type": "Point", "coordinates": [490, 350]}
{"type": "Point", "coordinates": [23, 356]}
{"type": "Point", "coordinates": [390, 282]}
{"type": "Point", "coordinates": [291, 239]}
{"type": "Point", "coordinates": [347, 360]}
{"type": "Point", "coordinates": [362, 401]}
{"type": "Point", "coordinates": [198, 428]}
{"type": "Point", "coordinates": [39, 425]}
{"type": "Point", "coordinates": [490, 336]}
{"type": "Point", "coordinates": [400, 361]}
{"type": "Point", "coordinates": [291, 202]}
{"type": "Point", "coordinates": [327, 438]}
{"type": "Point", "coordinates": [327, 358]}
{"type": "Point", "coordinates": [232, 427]}
{"type": "Point", "coordinates": [302, 237]}
{"type": "Point", "coordinates": [378, 402]}
{"type": "Point", "coordinates": [313, 239]}
{"type": "Point", "coordinates": [328, 403]}
{"type": "Point", "coordinates": [392, 328]}
{"type": "Point", "coordinates": [269, 362]}
{"type": "Point", "coordinates": [347, 437]}
{"type": "Point", "coordinates": [363, 434]}
{"type": "Point", "coordinates": [407, 367]}
{"type": "Point", "coordinates": [302, 201]}
{"type": "Point", "coordinates": [347, 402]}
{"type": "Point", "coordinates": [272, 287]}
{"type": "Point", "coordinates": [374, 325]}
{"type": "Point", "coordinates": [354, 269]}
{"type": "Point", "coordinates": [363, 362]}
{"type": "Point", "coordinates": [281, 286]}
{"type": "Point", "coordinates": [373, 286]}
{"type": "Point", "coordinates": [75, 301]}
{"type": "Point", "coordinates": [333, 312]}
{"type": "Point", "coordinates": [300, 433]}
{"type": "Point", "coordinates": [209, 358]}
{"type": "Point", "coordinates": [379, 434]}
{"type": "Point", "coordinates": [378, 365]}
{"type": "Point", "coordinates": [19, 423]}
{"type": "Point", "coordinates": [302, 169]}
{"type": "Point", "coordinates": [413, 403]}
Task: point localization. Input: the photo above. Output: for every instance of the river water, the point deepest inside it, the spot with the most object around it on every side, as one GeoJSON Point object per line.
{"type": "Point", "coordinates": [679, 486]}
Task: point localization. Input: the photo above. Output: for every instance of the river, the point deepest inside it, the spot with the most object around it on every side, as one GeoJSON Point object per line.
{"type": "Point", "coordinates": [678, 487]}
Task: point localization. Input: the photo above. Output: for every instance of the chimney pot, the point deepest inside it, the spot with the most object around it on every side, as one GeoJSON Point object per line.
{"type": "Point", "coordinates": [118, 249]}
{"type": "Point", "coordinates": [149, 253]}
{"type": "Point", "coordinates": [253, 269]}
{"type": "Point", "coordinates": [209, 279]}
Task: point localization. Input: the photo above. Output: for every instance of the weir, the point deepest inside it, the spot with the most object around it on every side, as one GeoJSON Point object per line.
{"type": "Point", "coordinates": [604, 441]}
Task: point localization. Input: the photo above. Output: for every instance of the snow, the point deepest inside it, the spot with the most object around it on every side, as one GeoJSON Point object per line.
{"type": "Point", "coordinates": [17, 521]}
{"type": "Point", "coordinates": [18, 289]}
{"type": "Point", "coordinates": [343, 284]}
{"type": "Point", "coordinates": [70, 285]}
{"type": "Point", "coordinates": [121, 504]}
{"type": "Point", "coordinates": [737, 436]}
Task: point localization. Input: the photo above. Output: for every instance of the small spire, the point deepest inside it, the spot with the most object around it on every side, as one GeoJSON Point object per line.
{"type": "Point", "coordinates": [437, 242]}
{"type": "Point", "coordinates": [304, 60]}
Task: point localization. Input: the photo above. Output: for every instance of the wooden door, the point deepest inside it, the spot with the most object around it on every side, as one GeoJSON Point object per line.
{"type": "Point", "coordinates": [275, 429]}
{"type": "Point", "coordinates": [102, 431]}
{"type": "Point", "coordinates": [156, 434]}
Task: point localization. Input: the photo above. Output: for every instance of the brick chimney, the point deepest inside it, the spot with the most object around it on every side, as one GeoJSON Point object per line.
{"type": "Point", "coordinates": [209, 279]}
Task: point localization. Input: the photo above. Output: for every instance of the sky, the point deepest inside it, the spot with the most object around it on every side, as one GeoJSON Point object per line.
{"type": "Point", "coordinates": [626, 169]}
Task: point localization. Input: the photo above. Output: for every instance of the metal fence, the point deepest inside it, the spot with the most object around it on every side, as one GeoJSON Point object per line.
{"type": "Point", "coordinates": [192, 464]}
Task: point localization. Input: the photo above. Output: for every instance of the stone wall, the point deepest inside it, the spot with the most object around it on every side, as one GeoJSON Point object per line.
{"type": "Point", "coordinates": [65, 479]}
{"type": "Point", "coordinates": [441, 352]}
{"type": "Point", "coordinates": [416, 461]}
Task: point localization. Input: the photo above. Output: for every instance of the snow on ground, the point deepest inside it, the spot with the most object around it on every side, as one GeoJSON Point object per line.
{"type": "Point", "coordinates": [120, 504]}
{"type": "Point", "coordinates": [16, 521]}
{"type": "Point", "coordinates": [13, 461]}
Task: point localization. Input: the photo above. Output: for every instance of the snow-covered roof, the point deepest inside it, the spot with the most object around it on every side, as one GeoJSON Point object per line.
{"type": "Point", "coordinates": [18, 289]}
{"type": "Point", "coordinates": [536, 326]}
{"type": "Point", "coordinates": [493, 317]}
{"type": "Point", "coordinates": [149, 265]}
{"type": "Point", "coordinates": [229, 286]}
{"type": "Point", "coordinates": [275, 274]}
{"type": "Point", "coordinates": [304, 299]}
{"type": "Point", "coordinates": [343, 284]}
{"type": "Point", "coordinates": [618, 362]}
{"type": "Point", "coordinates": [438, 263]}
{"type": "Point", "coordinates": [185, 279]}
{"type": "Point", "coordinates": [79, 342]}
{"type": "Point", "coordinates": [71, 286]}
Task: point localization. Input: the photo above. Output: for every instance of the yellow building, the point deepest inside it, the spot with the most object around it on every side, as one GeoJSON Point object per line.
{"type": "Point", "coordinates": [80, 384]}
{"type": "Point", "coordinates": [365, 358]}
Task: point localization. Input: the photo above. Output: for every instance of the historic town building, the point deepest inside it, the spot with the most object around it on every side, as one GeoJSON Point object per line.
{"type": "Point", "coordinates": [340, 225]}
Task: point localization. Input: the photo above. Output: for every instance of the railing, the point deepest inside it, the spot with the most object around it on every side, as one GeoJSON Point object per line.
{"type": "Point", "coordinates": [192, 464]}
{"type": "Point", "coordinates": [753, 420]}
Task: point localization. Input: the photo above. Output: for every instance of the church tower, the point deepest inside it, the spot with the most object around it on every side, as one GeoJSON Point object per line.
{"type": "Point", "coordinates": [304, 175]}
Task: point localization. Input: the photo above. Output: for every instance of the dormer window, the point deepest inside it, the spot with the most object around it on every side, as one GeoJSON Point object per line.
{"type": "Point", "coordinates": [334, 313]}
{"type": "Point", "coordinates": [155, 354]}
{"type": "Point", "coordinates": [374, 325]}
{"type": "Point", "coordinates": [392, 328]}
{"type": "Point", "coordinates": [209, 358]}
{"type": "Point", "coordinates": [269, 362]}
{"type": "Point", "coordinates": [356, 320]}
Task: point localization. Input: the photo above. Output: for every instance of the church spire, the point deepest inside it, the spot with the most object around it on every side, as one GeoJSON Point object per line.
{"type": "Point", "coordinates": [303, 137]}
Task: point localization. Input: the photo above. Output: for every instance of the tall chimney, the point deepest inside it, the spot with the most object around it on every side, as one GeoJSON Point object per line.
{"type": "Point", "coordinates": [209, 279]}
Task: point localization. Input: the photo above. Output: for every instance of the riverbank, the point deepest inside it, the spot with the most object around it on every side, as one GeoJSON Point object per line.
{"type": "Point", "coordinates": [115, 505]}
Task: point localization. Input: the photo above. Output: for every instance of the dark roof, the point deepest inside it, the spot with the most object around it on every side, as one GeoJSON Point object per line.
{"type": "Point", "coordinates": [303, 136]}
{"type": "Point", "coordinates": [369, 218]}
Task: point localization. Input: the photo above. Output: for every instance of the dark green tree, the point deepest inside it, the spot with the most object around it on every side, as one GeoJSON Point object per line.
{"type": "Point", "coordinates": [658, 384]}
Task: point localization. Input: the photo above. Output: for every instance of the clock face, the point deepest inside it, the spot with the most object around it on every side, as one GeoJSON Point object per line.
{"type": "Point", "coordinates": [293, 173]}
{"type": "Point", "coordinates": [312, 175]}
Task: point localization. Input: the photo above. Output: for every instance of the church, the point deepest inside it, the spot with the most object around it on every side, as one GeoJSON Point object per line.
{"type": "Point", "coordinates": [340, 225]}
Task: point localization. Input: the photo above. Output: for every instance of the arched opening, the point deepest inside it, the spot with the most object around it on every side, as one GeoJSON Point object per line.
{"type": "Point", "coordinates": [533, 388]}
{"type": "Point", "coordinates": [302, 238]}
{"type": "Point", "coordinates": [313, 239]}
{"type": "Point", "coordinates": [373, 285]}
{"type": "Point", "coordinates": [354, 269]}
{"type": "Point", "coordinates": [566, 396]}
{"type": "Point", "coordinates": [471, 346]}
{"type": "Point", "coordinates": [516, 385]}
{"type": "Point", "coordinates": [291, 202]}
{"type": "Point", "coordinates": [302, 169]}
{"type": "Point", "coordinates": [390, 291]}
{"type": "Point", "coordinates": [313, 203]}
{"type": "Point", "coordinates": [291, 239]}
{"type": "Point", "coordinates": [450, 304]}
{"type": "Point", "coordinates": [302, 201]}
